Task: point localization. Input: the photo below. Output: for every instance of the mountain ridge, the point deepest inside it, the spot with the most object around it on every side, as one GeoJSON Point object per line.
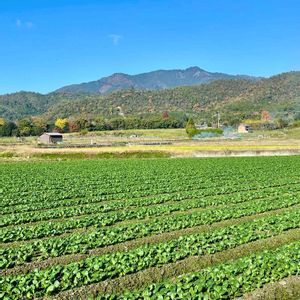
{"type": "Point", "coordinates": [153, 80]}
{"type": "Point", "coordinates": [236, 97]}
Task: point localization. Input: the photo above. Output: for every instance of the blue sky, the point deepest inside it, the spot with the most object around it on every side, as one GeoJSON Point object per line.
{"type": "Point", "coordinates": [48, 44]}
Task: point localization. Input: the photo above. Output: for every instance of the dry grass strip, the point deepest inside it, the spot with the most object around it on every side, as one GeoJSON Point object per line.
{"type": "Point", "coordinates": [286, 289]}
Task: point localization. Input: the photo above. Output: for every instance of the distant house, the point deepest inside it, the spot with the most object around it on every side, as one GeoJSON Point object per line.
{"type": "Point", "coordinates": [244, 128]}
{"type": "Point", "coordinates": [51, 138]}
{"type": "Point", "coordinates": [201, 126]}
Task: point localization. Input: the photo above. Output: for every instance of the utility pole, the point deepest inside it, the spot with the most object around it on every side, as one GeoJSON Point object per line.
{"type": "Point", "coordinates": [218, 115]}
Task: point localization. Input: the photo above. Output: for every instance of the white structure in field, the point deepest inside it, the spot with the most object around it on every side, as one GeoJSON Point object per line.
{"type": "Point", "coordinates": [244, 128]}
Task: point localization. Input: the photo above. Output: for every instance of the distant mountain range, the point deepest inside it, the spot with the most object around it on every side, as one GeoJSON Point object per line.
{"type": "Point", "coordinates": [156, 80]}
{"type": "Point", "coordinates": [235, 96]}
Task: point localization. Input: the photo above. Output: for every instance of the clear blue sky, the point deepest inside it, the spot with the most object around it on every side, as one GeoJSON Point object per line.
{"type": "Point", "coordinates": [46, 44]}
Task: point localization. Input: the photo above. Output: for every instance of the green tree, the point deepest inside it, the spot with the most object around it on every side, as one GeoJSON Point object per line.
{"type": "Point", "coordinates": [101, 124]}
{"type": "Point", "coordinates": [38, 126]}
{"type": "Point", "coordinates": [190, 128]}
{"type": "Point", "coordinates": [281, 123]}
{"type": "Point", "coordinates": [25, 127]}
{"type": "Point", "coordinates": [7, 128]}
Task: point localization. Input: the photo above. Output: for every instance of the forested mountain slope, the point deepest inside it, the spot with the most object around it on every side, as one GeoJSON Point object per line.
{"type": "Point", "coordinates": [234, 96]}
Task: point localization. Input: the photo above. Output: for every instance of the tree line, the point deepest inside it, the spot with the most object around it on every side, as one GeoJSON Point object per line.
{"type": "Point", "coordinates": [34, 126]}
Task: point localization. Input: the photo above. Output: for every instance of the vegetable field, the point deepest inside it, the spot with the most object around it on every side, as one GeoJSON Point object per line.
{"type": "Point", "coordinates": [218, 228]}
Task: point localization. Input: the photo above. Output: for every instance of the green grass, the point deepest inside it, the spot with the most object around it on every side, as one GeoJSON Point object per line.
{"type": "Point", "coordinates": [286, 133]}
{"type": "Point", "coordinates": [15, 140]}
{"type": "Point", "coordinates": [104, 155]}
{"type": "Point", "coordinates": [133, 135]}
{"type": "Point", "coordinates": [7, 154]}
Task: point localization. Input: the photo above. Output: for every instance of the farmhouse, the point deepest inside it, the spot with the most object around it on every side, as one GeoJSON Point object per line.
{"type": "Point", "coordinates": [244, 128]}
{"type": "Point", "coordinates": [51, 138]}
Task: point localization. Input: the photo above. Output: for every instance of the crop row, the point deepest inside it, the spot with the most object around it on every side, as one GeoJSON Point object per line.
{"type": "Point", "coordinates": [108, 185]}
{"type": "Point", "coordinates": [225, 281]}
{"type": "Point", "coordinates": [109, 191]}
{"type": "Point", "coordinates": [159, 198]}
{"type": "Point", "coordinates": [81, 242]}
{"type": "Point", "coordinates": [99, 268]}
{"type": "Point", "coordinates": [40, 230]}
{"type": "Point", "coordinates": [98, 193]}
{"type": "Point", "coordinates": [94, 208]}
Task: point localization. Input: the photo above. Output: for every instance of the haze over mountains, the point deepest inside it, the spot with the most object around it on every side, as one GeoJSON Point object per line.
{"type": "Point", "coordinates": [155, 80]}
{"type": "Point", "coordinates": [191, 91]}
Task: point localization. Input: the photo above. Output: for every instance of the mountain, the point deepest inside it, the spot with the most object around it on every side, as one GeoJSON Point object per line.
{"type": "Point", "coordinates": [235, 98]}
{"type": "Point", "coordinates": [135, 101]}
{"type": "Point", "coordinates": [17, 105]}
{"type": "Point", "coordinates": [155, 80]}
{"type": "Point", "coordinates": [23, 104]}
{"type": "Point", "coordinates": [238, 97]}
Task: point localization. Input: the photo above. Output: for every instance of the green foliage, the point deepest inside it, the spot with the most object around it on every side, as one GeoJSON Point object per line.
{"type": "Point", "coordinates": [36, 126]}
{"type": "Point", "coordinates": [101, 155]}
{"type": "Point", "coordinates": [226, 281]}
{"type": "Point", "coordinates": [104, 237]}
{"type": "Point", "coordinates": [83, 131]}
{"type": "Point", "coordinates": [7, 128]}
{"type": "Point", "coordinates": [190, 128]}
{"type": "Point", "coordinates": [101, 203]}
{"type": "Point", "coordinates": [136, 102]}
{"type": "Point", "coordinates": [26, 104]}
{"type": "Point", "coordinates": [91, 270]}
{"type": "Point", "coordinates": [7, 154]}
{"type": "Point", "coordinates": [281, 123]}
{"type": "Point", "coordinates": [295, 124]}
{"type": "Point", "coordinates": [30, 126]}
{"type": "Point", "coordinates": [211, 130]}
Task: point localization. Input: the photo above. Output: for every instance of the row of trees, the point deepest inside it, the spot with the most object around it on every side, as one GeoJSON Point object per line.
{"type": "Point", "coordinates": [35, 126]}
{"type": "Point", "coordinates": [24, 127]}
{"type": "Point", "coordinates": [265, 121]}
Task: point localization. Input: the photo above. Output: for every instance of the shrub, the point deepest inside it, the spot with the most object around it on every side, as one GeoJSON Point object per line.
{"type": "Point", "coordinates": [190, 128]}
{"type": "Point", "coordinates": [83, 132]}
{"type": "Point", "coordinates": [211, 130]}
{"type": "Point", "coordinates": [208, 132]}
{"type": "Point", "coordinates": [295, 124]}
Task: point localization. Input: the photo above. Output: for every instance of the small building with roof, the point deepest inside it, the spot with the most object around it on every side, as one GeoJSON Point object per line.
{"type": "Point", "coordinates": [244, 128]}
{"type": "Point", "coordinates": [51, 138]}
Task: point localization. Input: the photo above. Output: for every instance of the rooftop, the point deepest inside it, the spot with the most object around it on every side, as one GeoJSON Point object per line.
{"type": "Point", "coordinates": [57, 134]}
